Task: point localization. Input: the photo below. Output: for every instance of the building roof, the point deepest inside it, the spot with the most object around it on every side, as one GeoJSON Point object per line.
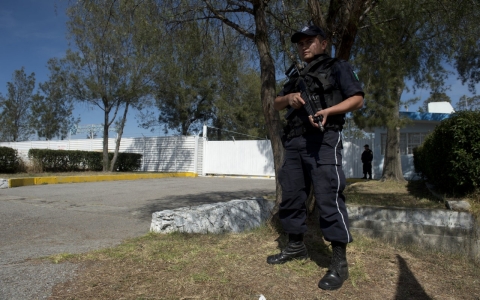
{"type": "Point", "coordinates": [418, 116]}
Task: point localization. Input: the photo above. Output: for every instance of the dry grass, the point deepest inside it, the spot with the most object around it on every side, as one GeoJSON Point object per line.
{"type": "Point", "coordinates": [233, 266]}
{"type": "Point", "coordinates": [389, 193]}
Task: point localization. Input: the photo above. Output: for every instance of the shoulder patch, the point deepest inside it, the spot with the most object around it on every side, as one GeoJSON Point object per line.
{"type": "Point", "coordinates": [355, 75]}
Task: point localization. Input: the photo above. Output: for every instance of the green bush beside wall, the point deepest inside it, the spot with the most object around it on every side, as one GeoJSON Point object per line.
{"type": "Point", "coordinates": [76, 160]}
{"type": "Point", "coordinates": [9, 160]}
{"type": "Point", "coordinates": [450, 156]}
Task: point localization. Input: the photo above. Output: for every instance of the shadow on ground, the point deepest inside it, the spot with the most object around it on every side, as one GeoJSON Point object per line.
{"type": "Point", "coordinates": [408, 286]}
{"type": "Point", "coordinates": [418, 189]}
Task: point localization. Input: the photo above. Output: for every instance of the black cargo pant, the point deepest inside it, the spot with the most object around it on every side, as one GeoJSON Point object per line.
{"type": "Point", "coordinates": [314, 159]}
{"type": "Point", "coordinates": [367, 169]}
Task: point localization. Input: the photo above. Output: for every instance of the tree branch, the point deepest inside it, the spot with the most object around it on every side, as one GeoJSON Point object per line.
{"type": "Point", "coordinates": [226, 21]}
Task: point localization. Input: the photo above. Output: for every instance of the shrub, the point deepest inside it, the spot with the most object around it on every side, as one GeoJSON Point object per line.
{"type": "Point", "coordinates": [9, 160]}
{"type": "Point", "coordinates": [75, 160]}
{"type": "Point", "coordinates": [127, 161]}
{"type": "Point", "coordinates": [450, 156]}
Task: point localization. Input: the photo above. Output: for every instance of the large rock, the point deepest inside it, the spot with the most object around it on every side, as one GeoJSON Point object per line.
{"type": "Point", "coordinates": [232, 216]}
{"type": "Point", "coordinates": [458, 205]}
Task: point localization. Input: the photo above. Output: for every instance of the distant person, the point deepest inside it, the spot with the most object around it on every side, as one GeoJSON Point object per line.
{"type": "Point", "coordinates": [367, 157]}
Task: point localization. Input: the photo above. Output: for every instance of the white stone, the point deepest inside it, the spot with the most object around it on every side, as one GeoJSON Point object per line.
{"type": "Point", "coordinates": [3, 183]}
{"type": "Point", "coordinates": [461, 205]}
{"type": "Point", "coordinates": [232, 216]}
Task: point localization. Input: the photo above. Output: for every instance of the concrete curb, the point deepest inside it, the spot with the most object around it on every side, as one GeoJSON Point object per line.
{"type": "Point", "coordinates": [17, 182]}
{"type": "Point", "coordinates": [445, 230]}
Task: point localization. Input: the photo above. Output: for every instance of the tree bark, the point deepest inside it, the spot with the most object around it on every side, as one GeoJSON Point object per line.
{"type": "Point", "coordinates": [342, 23]}
{"type": "Point", "coordinates": [119, 138]}
{"type": "Point", "coordinates": [268, 93]}
{"type": "Point", "coordinates": [105, 141]}
{"type": "Point", "coordinates": [392, 163]}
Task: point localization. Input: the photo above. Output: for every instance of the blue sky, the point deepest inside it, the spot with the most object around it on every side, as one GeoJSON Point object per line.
{"type": "Point", "coordinates": [33, 31]}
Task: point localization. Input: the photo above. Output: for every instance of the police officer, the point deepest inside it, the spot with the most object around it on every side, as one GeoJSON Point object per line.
{"type": "Point", "coordinates": [313, 156]}
{"type": "Point", "coordinates": [367, 157]}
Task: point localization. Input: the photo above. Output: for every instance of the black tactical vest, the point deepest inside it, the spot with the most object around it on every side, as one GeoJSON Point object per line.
{"type": "Point", "coordinates": [317, 77]}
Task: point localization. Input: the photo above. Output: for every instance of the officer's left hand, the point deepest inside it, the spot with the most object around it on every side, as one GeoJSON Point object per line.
{"type": "Point", "coordinates": [323, 113]}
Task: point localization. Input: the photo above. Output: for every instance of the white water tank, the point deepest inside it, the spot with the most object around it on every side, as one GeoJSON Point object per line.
{"type": "Point", "coordinates": [440, 107]}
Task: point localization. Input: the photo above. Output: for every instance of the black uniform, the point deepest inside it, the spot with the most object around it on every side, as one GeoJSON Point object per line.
{"type": "Point", "coordinates": [367, 157]}
{"type": "Point", "coordinates": [316, 157]}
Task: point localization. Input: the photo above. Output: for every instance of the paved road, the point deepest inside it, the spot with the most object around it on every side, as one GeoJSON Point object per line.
{"type": "Point", "coordinates": [38, 221]}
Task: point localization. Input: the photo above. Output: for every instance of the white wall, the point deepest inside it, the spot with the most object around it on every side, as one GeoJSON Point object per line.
{"type": "Point", "coordinates": [195, 154]}
{"type": "Point", "coordinates": [160, 154]}
{"type": "Point", "coordinates": [352, 158]}
{"type": "Point", "coordinates": [255, 158]}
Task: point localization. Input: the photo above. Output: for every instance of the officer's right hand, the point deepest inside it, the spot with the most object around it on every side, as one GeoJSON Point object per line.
{"type": "Point", "coordinates": [295, 100]}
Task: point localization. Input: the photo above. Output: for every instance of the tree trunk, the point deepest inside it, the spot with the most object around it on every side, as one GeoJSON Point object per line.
{"type": "Point", "coordinates": [105, 142]}
{"type": "Point", "coordinates": [392, 166]}
{"type": "Point", "coordinates": [119, 138]}
{"type": "Point", "coordinates": [268, 93]}
{"type": "Point", "coordinates": [392, 163]}
{"type": "Point", "coordinates": [343, 20]}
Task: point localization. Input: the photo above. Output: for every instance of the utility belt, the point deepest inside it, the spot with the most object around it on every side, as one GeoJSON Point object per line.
{"type": "Point", "coordinates": [291, 132]}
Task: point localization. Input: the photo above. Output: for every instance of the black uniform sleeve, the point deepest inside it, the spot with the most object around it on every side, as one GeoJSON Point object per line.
{"type": "Point", "coordinates": [346, 79]}
{"type": "Point", "coordinates": [282, 93]}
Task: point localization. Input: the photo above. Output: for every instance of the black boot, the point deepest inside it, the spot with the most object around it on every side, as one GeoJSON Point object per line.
{"type": "Point", "coordinates": [364, 176]}
{"type": "Point", "coordinates": [294, 250]}
{"type": "Point", "coordinates": [338, 271]}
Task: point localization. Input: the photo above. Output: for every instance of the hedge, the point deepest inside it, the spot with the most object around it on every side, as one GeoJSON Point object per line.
{"type": "Point", "coordinates": [450, 156]}
{"type": "Point", "coordinates": [76, 160]}
{"type": "Point", "coordinates": [9, 160]}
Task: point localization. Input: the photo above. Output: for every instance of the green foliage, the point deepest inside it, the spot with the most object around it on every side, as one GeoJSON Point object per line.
{"type": "Point", "coordinates": [467, 60]}
{"type": "Point", "coordinates": [351, 130]}
{"type": "Point", "coordinates": [52, 112]}
{"type": "Point", "coordinates": [113, 60]}
{"type": "Point", "coordinates": [416, 28]}
{"type": "Point", "coordinates": [204, 81]}
{"type": "Point", "coordinates": [128, 162]}
{"type": "Point", "coordinates": [75, 160]}
{"type": "Point", "coordinates": [450, 156]}
{"type": "Point", "coordinates": [15, 108]}
{"type": "Point", "coordinates": [425, 36]}
{"type": "Point", "coordinates": [9, 160]}
{"type": "Point", "coordinates": [468, 103]}
{"type": "Point", "coordinates": [188, 79]}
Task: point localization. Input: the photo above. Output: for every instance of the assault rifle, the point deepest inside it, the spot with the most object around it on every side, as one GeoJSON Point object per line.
{"type": "Point", "coordinates": [298, 84]}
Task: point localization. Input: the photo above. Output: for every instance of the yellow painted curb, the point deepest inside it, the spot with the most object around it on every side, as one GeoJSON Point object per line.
{"type": "Point", "coordinates": [16, 182]}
